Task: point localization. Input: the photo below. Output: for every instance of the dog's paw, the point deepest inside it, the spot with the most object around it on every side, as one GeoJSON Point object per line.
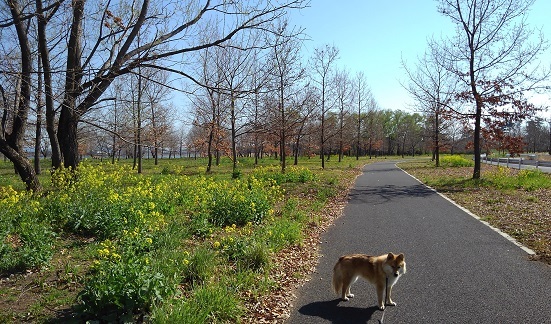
{"type": "Point", "coordinates": [350, 295]}
{"type": "Point", "coordinates": [345, 299]}
{"type": "Point", "coordinates": [391, 303]}
{"type": "Point", "coordinates": [382, 307]}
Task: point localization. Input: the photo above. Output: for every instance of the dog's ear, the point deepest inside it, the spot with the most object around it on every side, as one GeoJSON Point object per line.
{"type": "Point", "coordinates": [400, 257]}
{"type": "Point", "coordinates": [390, 256]}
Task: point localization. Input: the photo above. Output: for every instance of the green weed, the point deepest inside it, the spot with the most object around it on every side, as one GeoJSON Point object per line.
{"type": "Point", "coordinates": [208, 304]}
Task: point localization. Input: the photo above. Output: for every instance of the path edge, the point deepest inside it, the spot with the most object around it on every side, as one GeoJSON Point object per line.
{"type": "Point", "coordinates": [495, 229]}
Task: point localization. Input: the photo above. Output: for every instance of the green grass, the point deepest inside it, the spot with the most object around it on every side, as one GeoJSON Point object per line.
{"type": "Point", "coordinates": [173, 244]}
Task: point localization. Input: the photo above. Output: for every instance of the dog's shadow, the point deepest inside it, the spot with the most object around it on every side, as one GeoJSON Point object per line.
{"type": "Point", "coordinates": [331, 311]}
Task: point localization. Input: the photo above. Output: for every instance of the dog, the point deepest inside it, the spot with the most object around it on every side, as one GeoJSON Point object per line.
{"type": "Point", "coordinates": [379, 270]}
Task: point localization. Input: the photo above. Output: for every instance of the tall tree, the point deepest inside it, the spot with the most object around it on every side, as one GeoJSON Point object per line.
{"type": "Point", "coordinates": [322, 63]}
{"type": "Point", "coordinates": [236, 68]}
{"type": "Point", "coordinates": [433, 87]}
{"type": "Point", "coordinates": [11, 143]}
{"type": "Point", "coordinates": [362, 95]}
{"type": "Point", "coordinates": [344, 98]}
{"type": "Point", "coordinates": [493, 48]}
{"type": "Point", "coordinates": [286, 73]}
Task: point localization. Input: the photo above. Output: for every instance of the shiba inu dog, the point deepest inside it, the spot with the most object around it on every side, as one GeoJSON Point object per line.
{"type": "Point", "coordinates": [375, 269]}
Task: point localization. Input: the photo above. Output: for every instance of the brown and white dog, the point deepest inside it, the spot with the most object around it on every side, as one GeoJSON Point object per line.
{"type": "Point", "coordinates": [375, 269]}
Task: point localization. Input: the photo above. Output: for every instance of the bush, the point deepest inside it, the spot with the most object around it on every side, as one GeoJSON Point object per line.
{"type": "Point", "coordinates": [122, 280]}
{"type": "Point", "coordinates": [292, 174]}
{"type": "Point", "coordinates": [282, 233]}
{"type": "Point", "coordinates": [241, 202]}
{"type": "Point", "coordinates": [26, 237]}
{"type": "Point", "coordinates": [503, 178]}
{"type": "Point", "coordinates": [455, 161]}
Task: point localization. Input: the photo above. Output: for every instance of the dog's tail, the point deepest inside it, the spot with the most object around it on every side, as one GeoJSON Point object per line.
{"type": "Point", "coordinates": [337, 278]}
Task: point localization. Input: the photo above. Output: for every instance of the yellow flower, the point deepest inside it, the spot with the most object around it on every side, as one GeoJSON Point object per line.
{"type": "Point", "coordinates": [216, 244]}
{"type": "Point", "coordinates": [149, 240]}
{"type": "Point", "coordinates": [186, 261]}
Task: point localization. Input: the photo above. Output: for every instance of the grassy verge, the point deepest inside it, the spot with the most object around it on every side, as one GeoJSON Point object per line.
{"type": "Point", "coordinates": [171, 245]}
{"type": "Point", "coordinates": [516, 202]}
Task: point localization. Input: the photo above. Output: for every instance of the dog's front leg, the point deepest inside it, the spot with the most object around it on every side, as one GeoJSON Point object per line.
{"type": "Point", "coordinates": [388, 296]}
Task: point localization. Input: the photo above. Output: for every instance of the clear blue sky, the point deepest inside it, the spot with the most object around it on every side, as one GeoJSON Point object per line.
{"type": "Point", "coordinates": [372, 36]}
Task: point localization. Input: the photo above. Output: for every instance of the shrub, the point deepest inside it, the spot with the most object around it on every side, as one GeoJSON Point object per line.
{"type": "Point", "coordinates": [122, 279]}
{"type": "Point", "coordinates": [293, 174]}
{"type": "Point", "coordinates": [241, 202]}
{"type": "Point", "coordinates": [455, 161]}
{"type": "Point", "coordinates": [256, 256]}
{"type": "Point", "coordinates": [26, 237]}
{"type": "Point", "coordinates": [503, 178]}
{"type": "Point", "coordinates": [282, 233]}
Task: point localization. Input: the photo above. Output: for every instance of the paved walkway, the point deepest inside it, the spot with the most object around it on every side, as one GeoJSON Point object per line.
{"type": "Point", "coordinates": [458, 269]}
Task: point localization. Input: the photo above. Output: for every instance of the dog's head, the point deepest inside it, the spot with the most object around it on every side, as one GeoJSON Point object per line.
{"type": "Point", "coordinates": [395, 265]}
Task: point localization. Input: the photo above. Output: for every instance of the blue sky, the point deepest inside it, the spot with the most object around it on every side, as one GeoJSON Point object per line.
{"type": "Point", "coordinates": [373, 36]}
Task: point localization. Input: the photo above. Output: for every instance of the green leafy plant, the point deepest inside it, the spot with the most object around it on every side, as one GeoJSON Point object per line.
{"type": "Point", "coordinates": [122, 280]}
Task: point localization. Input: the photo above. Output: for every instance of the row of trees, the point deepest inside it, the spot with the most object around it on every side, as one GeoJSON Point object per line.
{"type": "Point", "coordinates": [108, 75]}
{"type": "Point", "coordinates": [63, 56]}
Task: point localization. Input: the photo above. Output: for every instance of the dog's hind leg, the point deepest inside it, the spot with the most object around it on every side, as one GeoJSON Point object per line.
{"type": "Point", "coordinates": [380, 291]}
{"type": "Point", "coordinates": [346, 293]}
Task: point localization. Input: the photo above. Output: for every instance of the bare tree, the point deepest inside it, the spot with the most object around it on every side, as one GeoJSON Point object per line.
{"type": "Point", "coordinates": [106, 47]}
{"type": "Point", "coordinates": [344, 98]}
{"type": "Point", "coordinates": [236, 69]}
{"type": "Point", "coordinates": [287, 73]}
{"type": "Point", "coordinates": [492, 54]}
{"type": "Point", "coordinates": [322, 64]}
{"type": "Point", "coordinates": [362, 95]}
{"type": "Point", "coordinates": [433, 87]}
{"type": "Point", "coordinates": [11, 141]}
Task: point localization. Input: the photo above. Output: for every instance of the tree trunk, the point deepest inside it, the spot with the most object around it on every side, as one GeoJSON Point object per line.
{"type": "Point", "coordinates": [38, 129]}
{"type": "Point", "coordinates": [69, 116]}
{"type": "Point", "coordinates": [49, 100]}
{"type": "Point", "coordinates": [233, 135]}
{"type": "Point", "coordinates": [437, 139]}
{"type": "Point", "coordinates": [23, 167]}
{"type": "Point", "coordinates": [67, 137]}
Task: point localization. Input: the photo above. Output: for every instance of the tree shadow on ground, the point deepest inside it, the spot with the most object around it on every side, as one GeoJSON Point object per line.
{"type": "Point", "coordinates": [378, 195]}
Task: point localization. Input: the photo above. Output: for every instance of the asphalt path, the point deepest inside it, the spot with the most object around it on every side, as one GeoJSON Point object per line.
{"type": "Point", "coordinates": [458, 269]}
